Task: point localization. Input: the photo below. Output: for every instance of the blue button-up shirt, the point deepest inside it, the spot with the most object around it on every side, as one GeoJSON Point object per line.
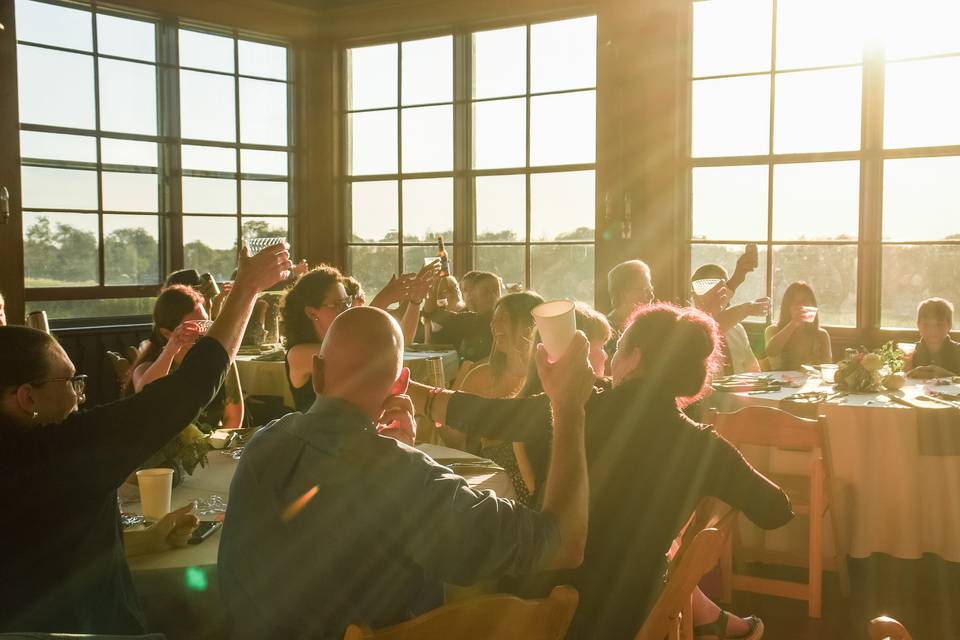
{"type": "Point", "coordinates": [330, 523]}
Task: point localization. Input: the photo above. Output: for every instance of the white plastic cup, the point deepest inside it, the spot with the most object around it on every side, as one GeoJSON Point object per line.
{"type": "Point", "coordinates": [156, 490]}
{"type": "Point", "coordinates": [828, 373]}
{"type": "Point", "coordinates": [809, 314]}
{"type": "Point", "coordinates": [557, 323]}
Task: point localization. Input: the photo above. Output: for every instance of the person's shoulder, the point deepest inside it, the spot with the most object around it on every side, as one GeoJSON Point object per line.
{"type": "Point", "coordinates": [478, 379]}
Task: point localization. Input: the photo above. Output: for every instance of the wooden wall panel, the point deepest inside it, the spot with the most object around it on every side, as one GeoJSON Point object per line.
{"type": "Point", "coordinates": [11, 228]}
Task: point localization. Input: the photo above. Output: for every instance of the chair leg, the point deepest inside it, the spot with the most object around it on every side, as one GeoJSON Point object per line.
{"type": "Point", "coordinates": [839, 548]}
{"type": "Point", "coordinates": [815, 561]}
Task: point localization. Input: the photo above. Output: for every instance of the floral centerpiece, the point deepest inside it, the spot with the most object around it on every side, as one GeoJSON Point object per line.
{"type": "Point", "coordinates": [184, 453]}
{"type": "Point", "coordinates": [863, 371]}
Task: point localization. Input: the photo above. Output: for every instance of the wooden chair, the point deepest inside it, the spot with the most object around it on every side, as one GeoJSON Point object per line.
{"type": "Point", "coordinates": [498, 616]}
{"type": "Point", "coordinates": [121, 367]}
{"type": "Point", "coordinates": [884, 628]}
{"type": "Point", "coordinates": [811, 495]}
{"type": "Point", "coordinates": [703, 541]}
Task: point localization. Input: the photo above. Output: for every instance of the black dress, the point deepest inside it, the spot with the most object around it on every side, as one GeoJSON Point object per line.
{"type": "Point", "coordinates": [649, 466]}
{"type": "Point", "coordinates": [303, 397]}
{"type": "Point", "coordinates": [61, 546]}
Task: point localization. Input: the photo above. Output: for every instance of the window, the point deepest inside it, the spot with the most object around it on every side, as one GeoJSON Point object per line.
{"type": "Point", "coordinates": [786, 140]}
{"type": "Point", "coordinates": [130, 170]}
{"type": "Point", "coordinates": [494, 149]}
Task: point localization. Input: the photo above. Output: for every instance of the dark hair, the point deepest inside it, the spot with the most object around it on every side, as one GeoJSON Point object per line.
{"type": "Point", "coordinates": [680, 348]}
{"type": "Point", "coordinates": [795, 289]}
{"type": "Point", "coordinates": [936, 308]}
{"type": "Point", "coordinates": [352, 286]}
{"type": "Point", "coordinates": [309, 290]}
{"type": "Point", "coordinates": [593, 324]}
{"type": "Point", "coordinates": [171, 306]}
{"type": "Point", "coordinates": [517, 306]}
{"type": "Point", "coordinates": [23, 355]}
{"type": "Point", "coordinates": [186, 277]}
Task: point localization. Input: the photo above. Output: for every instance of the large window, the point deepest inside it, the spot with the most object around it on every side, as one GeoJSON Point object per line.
{"type": "Point", "coordinates": [145, 148]}
{"type": "Point", "coordinates": [827, 133]}
{"type": "Point", "coordinates": [488, 139]}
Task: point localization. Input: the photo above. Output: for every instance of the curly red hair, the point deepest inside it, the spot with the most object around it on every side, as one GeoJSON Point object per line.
{"type": "Point", "coordinates": [680, 347]}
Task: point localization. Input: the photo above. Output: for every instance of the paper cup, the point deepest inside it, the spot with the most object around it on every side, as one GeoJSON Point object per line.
{"type": "Point", "coordinates": [156, 489]}
{"type": "Point", "coordinates": [557, 324]}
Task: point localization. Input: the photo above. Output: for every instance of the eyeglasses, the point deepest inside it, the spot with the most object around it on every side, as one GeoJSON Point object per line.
{"type": "Point", "coordinates": [340, 305]}
{"type": "Point", "coordinates": [79, 383]}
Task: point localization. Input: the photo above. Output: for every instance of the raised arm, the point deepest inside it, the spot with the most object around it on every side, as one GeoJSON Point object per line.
{"type": "Point", "coordinates": [776, 340]}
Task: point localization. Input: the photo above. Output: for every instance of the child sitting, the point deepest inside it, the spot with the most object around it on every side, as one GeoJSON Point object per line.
{"type": "Point", "coordinates": [936, 355]}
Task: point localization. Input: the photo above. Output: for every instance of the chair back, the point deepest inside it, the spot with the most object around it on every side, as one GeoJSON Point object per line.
{"type": "Point", "coordinates": [498, 616]}
{"type": "Point", "coordinates": [121, 367]}
{"type": "Point", "coordinates": [699, 552]}
{"type": "Point", "coordinates": [885, 628]}
{"type": "Point", "coordinates": [769, 427]}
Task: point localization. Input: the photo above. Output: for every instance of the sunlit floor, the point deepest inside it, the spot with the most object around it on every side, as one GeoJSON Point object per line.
{"type": "Point", "coordinates": [924, 595]}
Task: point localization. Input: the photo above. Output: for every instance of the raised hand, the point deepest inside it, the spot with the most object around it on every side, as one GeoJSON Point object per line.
{"type": "Point", "coordinates": [568, 382]}
{"type": "Point", "coordinates": [262, 271]}
{"type": "Point", "coordinates": [759, 307]}
{"type": "Point", "coordinates": [184, 336]}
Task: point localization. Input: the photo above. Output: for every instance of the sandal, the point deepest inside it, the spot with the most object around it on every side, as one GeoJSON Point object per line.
{"type": "Point", "coordinates": [718, 628]}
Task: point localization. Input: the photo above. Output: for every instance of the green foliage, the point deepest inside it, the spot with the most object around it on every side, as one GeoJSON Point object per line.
{"type": "Point", "coordinates": [892, 357]}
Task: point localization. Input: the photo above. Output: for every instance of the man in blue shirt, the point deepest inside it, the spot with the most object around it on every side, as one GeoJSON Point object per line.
{"type": "Point", "coordinates": [331, 523]}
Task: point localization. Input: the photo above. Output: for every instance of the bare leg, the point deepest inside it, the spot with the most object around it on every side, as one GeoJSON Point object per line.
{"type": "Point", "coordinates": [706, 611]}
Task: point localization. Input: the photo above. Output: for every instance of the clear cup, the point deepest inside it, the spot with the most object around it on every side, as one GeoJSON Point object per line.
{"type": "Point", "coordinates": [204, 326]}
{"type": "Point", "coordinates": [828, 372]}
{"type": "Point", "coordinates": [557, 323]}
{"type": "Point", "coordinates": [156, 490]}
{"type": "Point", "coordinates": [703, 286]}
{"type": "Point", "coordinates": [907, 347]}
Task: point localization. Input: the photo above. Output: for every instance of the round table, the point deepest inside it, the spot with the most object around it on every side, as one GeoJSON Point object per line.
{"type": "Point", "coordinates": [899, 492]}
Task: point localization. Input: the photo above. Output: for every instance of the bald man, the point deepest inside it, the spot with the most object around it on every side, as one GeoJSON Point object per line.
{"type": "Point", "coordinates": [333, 519]}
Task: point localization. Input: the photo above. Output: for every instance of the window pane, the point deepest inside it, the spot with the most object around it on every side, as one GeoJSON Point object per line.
{"type": "Point", "coordinates": [126, 38]}
{"type": "Point", "coordinates": [199, 158]}
{"type": "Point", "coordinates": [920, 199]}
{"type": "Point", "coordinates": [73, 309]}
{"type": "Point", "coordinates": [818, 201]}
{"type": "Point", "coordinates": [912, 273]}
{"type": "Point", "coordinates": [264, 228]}
{"type": "Point", "coordinates": [830, 270]}
{"type": "Point", "coordinates": [128, 97]}
{"type": "Point", "coordinates": [501, 208]}
{"type": "Point", "coordinates": [500, 62]}
{"type": "Point", "coordinates": [731, 36]}
{"type": "Point", "coordinates": [373, 142]}
{"type": "Point", "coordinates": [806, 120]}
{"type": "Point", "coordinates": [129, 191]}
{"type": "Point", "coordinates": [922, 99]}
{"type": "Point", "coordinates": [427, 73]}
{"type": "Point", "coordinates": [506, 261]}
{"type": "Point", "coordinates": [374, 211]}
{"type": "Point", "coordinates": [563, 55]}
{"type": "Point", "coordinates": [558, 271]}
{"type": "Point", "coordinates": [428, 139]}
{"type": "Point", "coordinates": [207, 107]}
{"type": "Point", "coordinates": [818, 33]}
{"type": "Point", "coordinates": [55, 88]}
{"type": "Point", "coordinates": [263, 112]}
{"type": "Point", "coordinates": [413, 257]}
{"type": "Point", "coordinates": [500, 134]}
{"type": "Point", "coordinates": [209, 195]}
{"type": "Point", "coordinates": [274, 163]}
{"type": "Point", "coordinates": [920, 28]}
{"type": "Point", "coordinates": [428, 209]}
{"type": "Point", "coordinates": [56, 146]}
{"type": "Point", "coordinates": [264, 60]}
{"type": "Point", "coordinates": [206, 51]}
{"type": "Point", "coordinates": [726, 255]}
{"type": "Point", "coordinates": [562, 206]}
{"type": "Point", "coordinates": [373, 76]}
{"type": "Point", "coordinates": [563, 129]}
{"type": "Point", "coordinates": [131, 251]}
{"type": "Point", "coordinates": [60, 249]}
{"type": "Point", "coordinates": [730, 203]}
{"type": "Point", "coordinates": [45, 188]}
{"type": "Point", "coordinates": [210, 245]}
{"type": "Point", "coordinates": [731, 116]}
{"type": "Point", "coordinates": [372, 266]}
{"type": "Point", "coordinates": [260, 196]}
{"type": "Point", "coordinates": [55, 25]}
{"type": "Point", "coordinates": [130, 152]}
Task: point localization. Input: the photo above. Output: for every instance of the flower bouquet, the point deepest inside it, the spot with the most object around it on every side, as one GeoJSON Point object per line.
{"type": "Point", "coordinates": [863, 371]}
{"type": "Point", "coordinates": [184, 453]}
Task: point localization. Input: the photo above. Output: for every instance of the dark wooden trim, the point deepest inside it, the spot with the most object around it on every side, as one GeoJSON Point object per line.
{"type": "Point", "coordinates": [91, 293]}
{"type": "Point", "coordinates": [11, 230]}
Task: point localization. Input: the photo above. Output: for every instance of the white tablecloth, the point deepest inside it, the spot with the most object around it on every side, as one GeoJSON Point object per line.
{"type": "Point", "coordinates": [893, 499]}
{"type": "Point", "coordinates": [269, 377]}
